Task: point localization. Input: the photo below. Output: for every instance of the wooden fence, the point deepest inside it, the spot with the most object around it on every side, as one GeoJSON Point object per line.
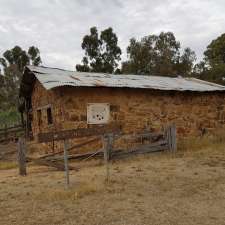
{"type": "Point", "coordinates": [148, 142]}
{"type": "Point", "coordinates": [11, 133]}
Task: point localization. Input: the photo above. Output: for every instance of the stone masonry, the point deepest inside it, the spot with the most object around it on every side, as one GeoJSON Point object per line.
{"type": "Point", "coordinates": [194, 113]}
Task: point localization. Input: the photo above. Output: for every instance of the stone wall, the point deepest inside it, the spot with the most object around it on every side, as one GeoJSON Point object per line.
{"type": "Point", "coordinates": [135, 109]}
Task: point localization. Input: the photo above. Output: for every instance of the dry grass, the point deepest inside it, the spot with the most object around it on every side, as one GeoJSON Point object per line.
{"type": "Point", "coordinates": [186, 188]}
{"type": "Point", "coordinates": [72, 193]}
{"type": "Point", "coordinates": [4, 165]}
{"type": "Point", "coordinates": [216, 141]}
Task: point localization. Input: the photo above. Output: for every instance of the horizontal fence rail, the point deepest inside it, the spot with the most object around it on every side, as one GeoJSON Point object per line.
{"type": "Point", "coordinates": [148, 142]}
{"type": "Point", "coordinates": [11, 133]}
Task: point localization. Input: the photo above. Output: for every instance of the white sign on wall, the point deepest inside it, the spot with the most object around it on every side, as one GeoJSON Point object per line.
{"type": "Point", "coordinates": [98, 113]}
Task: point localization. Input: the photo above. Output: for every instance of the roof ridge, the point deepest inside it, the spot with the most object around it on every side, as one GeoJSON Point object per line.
{"type": "Point", "coordinates": [46, 67]}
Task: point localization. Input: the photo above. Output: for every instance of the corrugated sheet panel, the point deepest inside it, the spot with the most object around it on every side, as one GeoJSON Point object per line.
{"type": "Point", "coordinates": [51, 78]}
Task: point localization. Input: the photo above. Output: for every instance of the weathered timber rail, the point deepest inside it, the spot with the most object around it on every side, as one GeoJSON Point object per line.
{"type": "Point", "coordinates": [156, 142]}
{"type": "Point", "coordinates": [147, 142]}
{"type": "Point", "coordinates": [11, 133]}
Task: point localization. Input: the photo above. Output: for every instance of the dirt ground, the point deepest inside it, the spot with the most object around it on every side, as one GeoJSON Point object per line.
{"type": "Point", "coordinates": [159, 189]}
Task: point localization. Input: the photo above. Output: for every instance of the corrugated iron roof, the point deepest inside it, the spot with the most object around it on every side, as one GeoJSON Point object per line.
{"type": "Point", "coordinates": [52, 78]}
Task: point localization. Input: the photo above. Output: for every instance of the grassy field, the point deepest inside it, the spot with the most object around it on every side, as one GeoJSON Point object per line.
{"type": "Point", "coordinates": [184, 188]}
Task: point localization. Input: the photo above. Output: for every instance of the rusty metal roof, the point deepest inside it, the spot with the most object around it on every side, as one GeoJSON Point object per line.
{"type": "Point", "coordinates": [52, 78]}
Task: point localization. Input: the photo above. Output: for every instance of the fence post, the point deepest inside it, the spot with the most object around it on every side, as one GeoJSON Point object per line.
{"type": "Point", "coordinates": [110, 145]}
{"type": "Point", "coordinates": [170, 135]}
{"type": "Point", "coordinates": [66, 163]}
{"type": "Point", "coordinates": [22, 157]}
{"type": "Point", "coordinates": [167, 136]}
{"type": "Point", "coordinates": [107, 147]}
{"type": "Point", "coordinates": [173, 136]}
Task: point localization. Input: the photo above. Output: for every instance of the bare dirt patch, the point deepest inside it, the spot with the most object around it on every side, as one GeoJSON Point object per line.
{"type": "Point", "coordinates": [184, 188]}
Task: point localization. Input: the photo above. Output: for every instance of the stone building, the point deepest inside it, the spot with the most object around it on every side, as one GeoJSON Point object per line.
{"type": "Point", "coordinates": [56, 100]}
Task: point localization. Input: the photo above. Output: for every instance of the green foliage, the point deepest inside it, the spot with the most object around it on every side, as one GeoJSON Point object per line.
{"type": "Point", "coordinates": [20, 58]}
{"type": "Point", "coordinates": [13, 62]}
{"type": "Point", "coordinates": [158, 55]}
{"type": "Point", "coordinates": [212, 68]}
{"type": "Point", "coordinates": [214, 74]}
{"type": "Point", "coordinates": [215, 58]}
{"type": "Point", "coordinates": [185, 63]}
{"type": "Point", "coordinates": [140, 57]}
{"type": "Point", "coordinates": [34, 56]}
{"type": "Point", "coordinates": [215, 52]}
{"type": "Point", "coordinates": [10, 116]}
{"type": "Point", "coordinates": [200, 68]}
{"type": "Point", "coordinates": [102, 54]}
